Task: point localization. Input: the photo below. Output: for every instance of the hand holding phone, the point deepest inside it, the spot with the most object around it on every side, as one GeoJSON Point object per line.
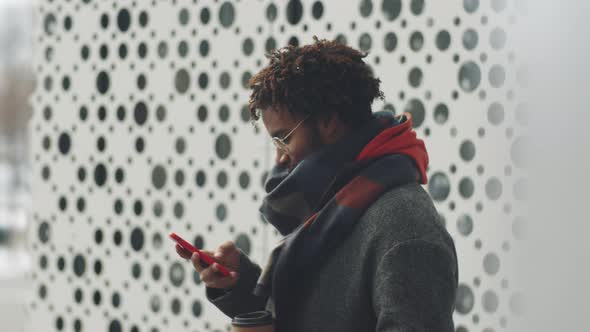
{"type": "Point", "coordinates": [204, 259]}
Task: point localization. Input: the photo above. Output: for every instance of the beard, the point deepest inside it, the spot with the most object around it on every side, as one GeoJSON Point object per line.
{"type": "Point", "coordinates": [314, 144]}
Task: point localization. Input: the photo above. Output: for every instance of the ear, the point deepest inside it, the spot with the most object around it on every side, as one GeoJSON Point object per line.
{"type": "Point", "coordinates": [333, 124]}
{"type": "Point", "coordinates": [329, 127]}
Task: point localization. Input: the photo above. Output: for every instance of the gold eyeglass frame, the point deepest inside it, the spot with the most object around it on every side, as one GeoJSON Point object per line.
{"type": "Point", "coordinates": [280, 142]}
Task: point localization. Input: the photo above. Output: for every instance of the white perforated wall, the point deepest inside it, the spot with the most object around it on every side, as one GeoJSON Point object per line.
{"type": "Point", "coordinates": [140, 129]}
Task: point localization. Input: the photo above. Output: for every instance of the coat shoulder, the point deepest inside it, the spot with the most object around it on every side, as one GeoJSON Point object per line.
{"type": "Point", "coordinates": [401, 214]}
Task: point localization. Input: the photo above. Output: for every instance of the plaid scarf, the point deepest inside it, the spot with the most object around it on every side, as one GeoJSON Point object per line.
{"type": "Point", "coordinates": [316, 205]}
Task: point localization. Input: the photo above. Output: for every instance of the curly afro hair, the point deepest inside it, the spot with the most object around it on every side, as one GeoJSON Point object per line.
{"type": "Point", "coordinates": [320, 78]}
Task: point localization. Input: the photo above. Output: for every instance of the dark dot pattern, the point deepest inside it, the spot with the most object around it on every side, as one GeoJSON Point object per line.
{"type": "Point", "coordinates": [141, 128]}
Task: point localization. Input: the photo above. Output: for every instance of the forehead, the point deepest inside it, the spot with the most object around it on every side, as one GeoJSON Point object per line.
{"type": "Point", "coordinates": [278, 118]}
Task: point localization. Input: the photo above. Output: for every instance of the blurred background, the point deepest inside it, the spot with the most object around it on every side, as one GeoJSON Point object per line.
{"type": "Point", "coordinates": [123, 121]}
{"type": "Point", "coordinates": [17, 82]}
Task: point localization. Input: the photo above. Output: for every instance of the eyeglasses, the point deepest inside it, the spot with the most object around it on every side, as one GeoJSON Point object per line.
{"type": "Point", "coordinates": [280, 142]}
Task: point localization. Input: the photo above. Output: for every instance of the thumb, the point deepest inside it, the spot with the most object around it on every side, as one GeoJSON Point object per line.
{"type": "Point", "coordinates": [207, 252]}
{"type": "Point", "coordinates": [226, 246]}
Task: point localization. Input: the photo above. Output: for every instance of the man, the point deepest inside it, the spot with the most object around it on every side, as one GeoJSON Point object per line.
{"type": "Point", "coordinates": [363, 246]}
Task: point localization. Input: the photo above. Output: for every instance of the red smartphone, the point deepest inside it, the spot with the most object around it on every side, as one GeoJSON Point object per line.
{"type": "Point", "coordinates": [205, 259]}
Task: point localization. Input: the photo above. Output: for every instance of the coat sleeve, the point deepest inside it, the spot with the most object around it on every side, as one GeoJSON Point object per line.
{"type": "Point", "coordinates": [414, 288]}
{"type": "Point", "coordinates": [240, 298]}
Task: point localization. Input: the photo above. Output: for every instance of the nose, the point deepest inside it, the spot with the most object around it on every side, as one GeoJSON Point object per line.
{"type": "Point", "coordinates": [281, 158]}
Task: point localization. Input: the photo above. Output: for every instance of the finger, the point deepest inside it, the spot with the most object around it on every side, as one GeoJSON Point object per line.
{"type": "Point", "coordinates": [182, 252]}
{"type": "Point", "coordinates": [226, 246]}
{"type": "Point", "coordinates": [224, 282]}
{"type": "Point", "coordinates": [220, 276]}
{"type": "Point", "coordinates": [196, 262]}
{"type": "Point", "coordinates": [208, 276]}
{"type": "Point", "coordinates": [225, 249]}
{"type": "Point", "coordinates": [207, 252]}
{"type": "Point", "coordinates": [212, 274]}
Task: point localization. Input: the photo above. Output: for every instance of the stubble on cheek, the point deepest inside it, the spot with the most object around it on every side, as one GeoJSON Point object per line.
{"type": "Point", "coordinates": [312, 143]}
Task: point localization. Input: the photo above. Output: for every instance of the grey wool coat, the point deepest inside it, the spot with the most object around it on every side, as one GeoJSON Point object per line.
{"type": "Point", "coordinates": [396, 272]}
